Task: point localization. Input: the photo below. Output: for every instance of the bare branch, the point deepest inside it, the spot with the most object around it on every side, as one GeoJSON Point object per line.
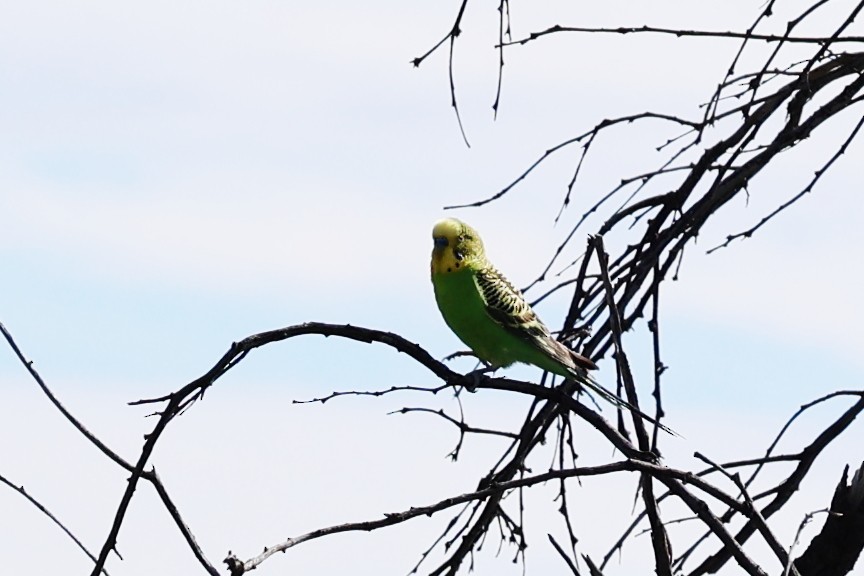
{"type": "Point", "coordinates": [20, 490]}
{"type": "Point", "coordinates": [838, 545]}
{"type": "Point", "coordinates": [28, 365]}
{"type": "Point", "coordinates": [454, 33]}
{"type": "Point", "coordinates": [680, 33]}
{"type": "Point", "coordinates": [238, 567]}
{"type": "Point", "coordinates": [753, 513]}
{"type": "Point", "coordinates": [463, 427]}
{"type": "Point", "coordinates": [149, 476]}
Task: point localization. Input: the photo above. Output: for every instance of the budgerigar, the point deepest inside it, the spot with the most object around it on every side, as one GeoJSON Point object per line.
{"type": "Point", "coordinates": [492, 317]}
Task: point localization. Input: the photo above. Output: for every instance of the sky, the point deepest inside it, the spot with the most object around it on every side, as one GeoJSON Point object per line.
{"type": "Point", "coordinates": [178, 177]}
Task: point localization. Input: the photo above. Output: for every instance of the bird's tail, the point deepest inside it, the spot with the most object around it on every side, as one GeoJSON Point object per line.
{"type": "Point", "coordinates": [588, 381]}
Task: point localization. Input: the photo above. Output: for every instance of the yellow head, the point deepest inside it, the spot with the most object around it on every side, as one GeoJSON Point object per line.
{"type": "Point", "coordinates": [457, 246]}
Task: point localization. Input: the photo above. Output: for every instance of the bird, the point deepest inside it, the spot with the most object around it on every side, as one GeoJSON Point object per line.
{"type": "Point", "coordinates": [493, 318]}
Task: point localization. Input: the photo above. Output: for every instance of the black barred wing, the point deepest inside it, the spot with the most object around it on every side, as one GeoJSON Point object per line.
{"type": "Point", "coordinates": [506, 305]}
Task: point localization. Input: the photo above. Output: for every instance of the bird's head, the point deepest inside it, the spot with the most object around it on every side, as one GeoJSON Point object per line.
{"type": "Point", "coordinates": [456, 245]}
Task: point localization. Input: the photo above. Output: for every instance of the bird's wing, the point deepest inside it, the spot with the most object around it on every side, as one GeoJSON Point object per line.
{"type": "Point", "coordinates": [506, 306]}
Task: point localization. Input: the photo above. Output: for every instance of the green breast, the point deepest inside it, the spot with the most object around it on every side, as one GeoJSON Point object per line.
{"type": "Point", "coordinates": [464, 311]}
{"type": "Point", "coordinates": [462, 305]}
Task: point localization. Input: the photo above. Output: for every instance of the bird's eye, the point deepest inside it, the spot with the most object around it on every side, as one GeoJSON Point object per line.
{"type": "Point", "coordinates": [458, 255]}
{"type": "Point", "coordinates": [440, 241]}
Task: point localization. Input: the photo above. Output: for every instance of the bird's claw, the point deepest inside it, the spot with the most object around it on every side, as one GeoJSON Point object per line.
{"type": "Point", "coordinates": [475, 376]}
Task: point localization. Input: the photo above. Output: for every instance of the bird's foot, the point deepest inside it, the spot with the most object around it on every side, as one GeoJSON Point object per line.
{"type": "Point", "coordinates": [475, 377]}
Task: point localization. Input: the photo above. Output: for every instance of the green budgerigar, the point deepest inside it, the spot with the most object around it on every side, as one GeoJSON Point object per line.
{"type": "Point", "coordinates": [492, 317]}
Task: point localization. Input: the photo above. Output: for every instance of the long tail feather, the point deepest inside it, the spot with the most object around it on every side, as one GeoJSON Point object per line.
{"type": "Point", "coordinates": [588, 381]}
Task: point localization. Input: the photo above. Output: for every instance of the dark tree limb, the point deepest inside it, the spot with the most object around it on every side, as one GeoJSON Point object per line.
{"type": "Point", "coordinates": [149, 476]}
{"type": "Point", "coordinates": [784, 491]}
{"type": "Point", "coordinates": [454, 33]}
{"type": "Point", "coordinates": [834, 551]}
{"type": "Point", "coordinates": [680, 33]}
{"type": "Point", "coordinates": [238, 567]}
{"type": "Point", "coordinates": [659, 537]}
{"type": "Point", "coordinates": [20, 490]}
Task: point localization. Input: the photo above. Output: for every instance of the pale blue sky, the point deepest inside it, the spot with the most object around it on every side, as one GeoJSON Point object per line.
{"type": "Point", "coordinates": [178, 177]}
